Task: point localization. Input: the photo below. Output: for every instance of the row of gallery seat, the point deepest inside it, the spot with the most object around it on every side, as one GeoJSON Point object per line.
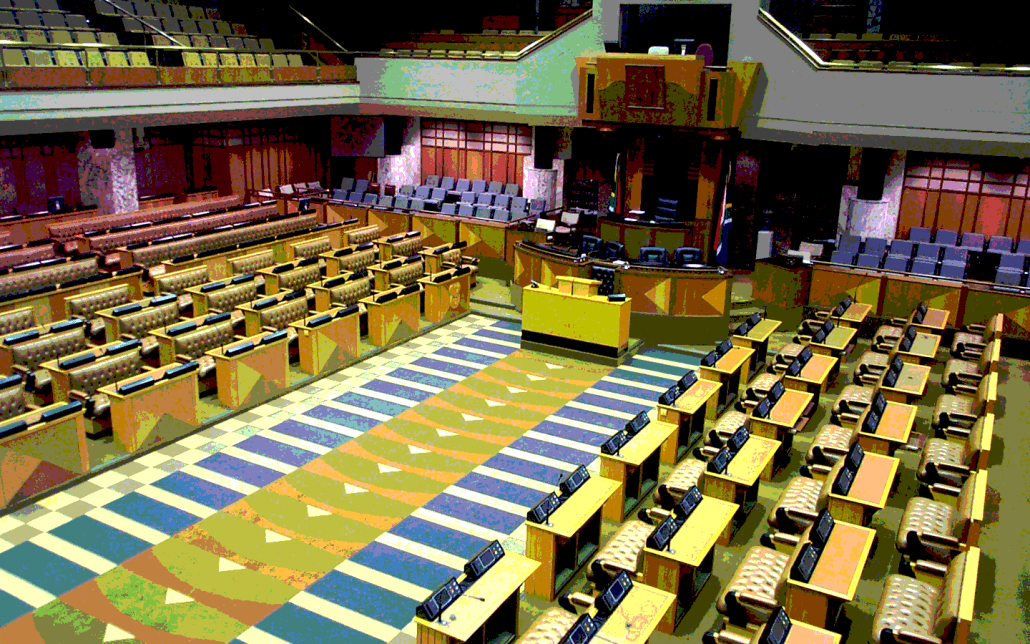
{"type": "Point", "coordinates": [462, 197]}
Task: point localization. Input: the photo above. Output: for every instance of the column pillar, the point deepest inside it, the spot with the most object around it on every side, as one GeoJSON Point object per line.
{"type": "Point", "coordinates": [874, 16]}
{"type": "Point", "coordinates": [107, 175]}
{"type": "Point", "coordinates": [404, 169]}
{"type": "Point", "coordinates": [878, 217]}
{"type": "Point", "coordinates": [538, 183]}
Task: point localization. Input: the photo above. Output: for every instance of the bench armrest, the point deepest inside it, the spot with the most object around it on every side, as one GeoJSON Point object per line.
{"type": "Point", "coordinates": [614, 568]}
{"type": "Point", "coordinates": [931, 539]}
{"type": "Point", "coordinates": [929, 568]}
{"type": "Point", "coordinates": [944, 488]}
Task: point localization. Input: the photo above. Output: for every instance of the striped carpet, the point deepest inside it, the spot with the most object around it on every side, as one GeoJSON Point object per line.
{"type": "Point", "coordinates": [328, 514]}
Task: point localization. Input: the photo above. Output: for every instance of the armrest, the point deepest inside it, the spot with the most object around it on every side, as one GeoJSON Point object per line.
{"type": "Point", "coordinates": [929, 568]}
{"type": "Point", "coordinates": [27, 375]}
{"type": "Point", "coordinates": [822, 470]}
{"type": "Point", "coordinates": [676, 489]}
{"type": "Point", "coordinates": [906, 637]}
{"type": "Point", "coordinates": [944, 488]}
{"type": "Point", "coordinates": [853, 406]}
{"type": "Point", "coordinates": [850, 417]}
{"type": "Point", "coordinates": [655, 514]}
{"type": "Point", "coordinates": [126, 337]}
{"type": "Point", "coordinates": [961, 470]}
{"type": "Point", "coordinates": [965, 388]}
{"type": "Point", "coordinates": [580, 599]}
{"type": "Point", "coordinates": [78, 394]}
{"type": "Point", "coordinates": [182, 357]}
{"type": "Point", "coordinates": [729, 637]}
{"type": "Point", "coordinates": [938, 540]}
{"type": "Point", "coordinates": [787, 541]}
{"type": "Point", "coordinates": [976, 328]}
{"type": "Point", "coordinates": [962, 418]}
{"type": "Point", "coordinates": [974, 378]}
{"type": "Point", "coordinates": [822, 315]}
{"type": "Point", "coordinates": [957, 432]}
{"type": "Point", "coordinates": [744, 598]}
{"type": "Point", "coordinates": [829, 449]}
{"type": "Point", "coordinates": [899, 321]}
{"type": "Point", "coordinates": [31, 407]}
{"type": "Point", "coordinates": [749, 403]}
{"type": "Point", "coordinates": [269, 329]}
{"type": "Point", "coordinates": [614, 568]}
{"type": "Point", "coordinates": [800, 516]}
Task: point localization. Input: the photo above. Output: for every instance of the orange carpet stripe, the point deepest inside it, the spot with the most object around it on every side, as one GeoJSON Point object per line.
{"type": "Point", "coordinates": [376, 521]}
{"type": "Point", "coordinates": [384, 432]}
{"type": "Point", "coordinates": [522, 425]}
{"type": "Point", "coordinates": [333, 546]}
{"type": "Point", "coordinates": [352, 448]}
{"type": "Point", "coordinates": [414, 499]}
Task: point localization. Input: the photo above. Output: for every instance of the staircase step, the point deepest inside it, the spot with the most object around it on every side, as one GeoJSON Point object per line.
{"type": "Point", "coordinates": [488, 302]}
{"type": "Point", "coordinates": [497, 312]}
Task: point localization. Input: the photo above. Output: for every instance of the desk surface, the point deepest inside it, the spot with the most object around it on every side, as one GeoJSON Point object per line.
{"type": "Point", "coordinates": [843, 559]}
{"type": "Point", "coordinates": [696, 538]}
{"type": "Point", "coordinates": [897, 422]}
{"type": "Point", "coordinates": [697, 396]}
{"type": "Point", "coordinates": [637, 616]}
{"type": "Point", "coordinates": [751, 460]}
{"type": "Point", "coordinates": [912, 379]}
{"type": "Point", "coordinates": [802, 633]}
{"type": "Point", "coordinates": [732, 361]}
{"type": "Point", "coordinates": [644, 444]}
{"type": "Point", "coordinates": [578, 508]}
{"type": "Point", "coordinates": [816, 370]}
{"type": "Point", "coordinates": [838, 339]}
{"type": "Point", "coordinates": [789, 408]}
{"type": "Point", "coordinates": [934, 319]}
{"type": "Point", "coordinates": [872, 484]}
{"type": "Point", "coordinates": [761, 331]}
{"type": "Point", "coordinates": [857, 312]}
{"type": "Point", "coordinates": [925, 345]}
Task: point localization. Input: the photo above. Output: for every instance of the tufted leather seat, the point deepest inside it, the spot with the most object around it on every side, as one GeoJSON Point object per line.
{"type": "Point", "coordinates": [358, 260]}
{"type": "Point", "coordinates": [179, 281]}
{"type": "Point", "coordinates": [935, 518]}
{"type": "Point", "coordinates": [299, 277]}
{"type": "Point", "coordinates": [139, 324]}
{"type": "Point", "coordinates": [763, 383]}
{"type": "Point", "coordinates": [549, 628]}
{"type": "Point", "coordinates": [886, 337]}
{"type": "Point", "coordinates": [28, 356]}
{"type": "Point", "coordinates": [228, 298]}
{"type": "Point", "coordinates": [193, 345]}
{"type": "Point", "coordinates": [252, 263]}
{"type": "Point", "coordinates": [12, 397]}
{"type": "Point", "coordinates": [280, 315]}
{"type": "Point", "coordinates": [970, 342]}
{"type": "Point", "coordinates": [347, 294]}
{"type": "Point", "coordinates": [854, 396]}
{"type": "Point", "coordinates": [727, 424]}
{"type": "Point", "coordinates": [831, 443]}
{"type": "Point", "coordinates": [28, 280]}
{"type": "Point", "coordinates": [687, 474]}
{"type": "Point", "coordinates": [625, 549]}
{"type": "Point", "coordinates": [86, 305]}
{"type": "Point", "coordinates": [962, 376]}
{"type": "Point", "coordinates": [870, 367]}
{"type": "Point", "coordinates": [957, 409]}
{"type": "Point", "coordinates": [801, 501]}
{"type": "Point", "coordinates": [16, 320]}
{"type": "Point", "coordinates": [958, 456]}
{"type": "Point", "coordinates": [311, 247]}
{"type": "Point", "coordinates": [86, 380]}
{"type": "Point", "coordinates": [408, 273]}
{"type": "Point", "coordinates": [26, 254]}
{"type": "Point", "coordinates": [920, 607]}
{"type": "Point", "coordinates": [408, 246]}
{"type": "Point", "coordinates": [362, 235]}
{"type": "Point", "coordinates": [762, 573]}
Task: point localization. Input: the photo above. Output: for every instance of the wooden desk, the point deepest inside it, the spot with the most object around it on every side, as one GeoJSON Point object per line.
{"type": "Point", "coordinates": [758, 339]}
{"type": "Point", "coordinates": [328, 346]}
{"type": "Point", "coordinates": [935, 321]}
{"type": "Point", "coordinates": [854, 316]}
{"type": "Point", "coordinates": [686, 565]}
{"type": "Point", "coordinates": [893, 431]}
{"type": "Point", "coordinates": [739, 483]}
{"type": "Point", "coordinates": [253, 376]}
{"type": "Point", "coordinates": [584, 323]}
{"type": "Point", "coordinates": [786, 418]}
{"type": "Point", "coordinates": [802, 633]}
{"type": "Point", "coordinates": [569, 539]}
{"type": "Point", "coordinates": [730, 370]}
{"type": "Point", "coordinates": [816, 376]}
{"type": "Point", "coordinates": [643, 611]}
{"type": "Point", "coordinates": [835, 578]}
{"type": "Point", "coordinates": [923, 349]}
{"type": "Point", "coordinates": [686, 414]}
{"type": "Point", "coordinates": [43, 454]}
{"type": "Point", "coordinates": [836, 343]}
{"type": "Point", "coordinates": [910, 386]}
{"type": "Point", "coordinates": [487, 620]}
{"type": "Point", "coordinates": [60, 381]}
{"type": "Point", "coordinates": [166, 409]}
{"type": "Point", "coordinates": [393, 321]}
{"type": "Point", "coordinates": [635, 468]}
{"type": "Point", "coordinates": [448, 299]}
{"type": "Point", "coordinates": [869, 491]}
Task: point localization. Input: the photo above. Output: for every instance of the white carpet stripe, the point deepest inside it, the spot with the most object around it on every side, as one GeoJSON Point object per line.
{"type": "Point", "coordinates": [457, 524]}
{"type": "Point", "coordinates": [426, 552]}
{"type": "Point", "coordinates": [220, 479]}
{"type": "Point", "coordinates": [73, 553]}
{"type": "Point", "coordinates": [257, 459]}
{"type": "Point", "coordinates": [128, 526]}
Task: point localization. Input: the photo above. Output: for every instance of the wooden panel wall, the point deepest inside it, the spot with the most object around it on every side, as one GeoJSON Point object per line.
{"type": "Point", "coordinates": [161, 166]}
{"type": "Point", "coordinates": [474, 150]}
{"type": "Point", "coordinates": [33, 168]}
{"type": "Point", "coordinates": [966, 195]}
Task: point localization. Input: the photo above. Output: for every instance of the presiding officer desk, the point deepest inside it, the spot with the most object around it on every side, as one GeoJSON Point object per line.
{"type": "Point", "coordinates": [572, 315]}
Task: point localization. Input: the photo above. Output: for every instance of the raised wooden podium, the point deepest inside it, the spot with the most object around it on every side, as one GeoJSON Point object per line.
{"type": "Point", "coordinates": [252, 370]}
{"type": "Point", "coordinates": [447, 294]}
{"type": "Point", "coordinates": [393, 315]}
{"type": "Point", "coordinates": [573, 316]}
{"type": "Point", "coordinates": [328, 340]}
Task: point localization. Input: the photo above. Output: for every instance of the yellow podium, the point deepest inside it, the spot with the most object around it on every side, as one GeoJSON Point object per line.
{"type": "Point", "coordinates": [569, 316]}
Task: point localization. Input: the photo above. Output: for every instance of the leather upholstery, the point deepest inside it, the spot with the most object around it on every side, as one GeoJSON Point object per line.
{"type": "Point", "coordinates": [549, 628]}
{"type": "Point", "coordinates": [25, 255]}
{"type": "Point", "coordinates": [197, 342]}
{"type": "Point", "coordinates": [252, 263]}
{"type": "Point", "coordinates": [920, 607]}
{"type": "Point", "coordinates": [86, 305]}
{"type": "Point", "coordinates": [407, 246]}
{"type": "Point", "coordinates": [299, 277]}
{"type": "Point", "coordinates": [358, 260]}
{"type": "Point", "coordinates": [833, 436]}
{"type": "Point", "coordinates": [854, 394]}
{"type": "Point", "coordinates": [802, 493]}
{"type": "Point", "coordinates": [350, 293]}
{"type": "Point", "coordinates": [955, 368]}
{"type": "Point", "coordinates": [874, 359]}
{"type": "Point", "coordinates": [179, 281]}
{"type": "Point", "coordinates": [228, 298]}
{"type": "Point", "coordinates": [17, 320]}
{"type": "Point", "coordinates": [789, 352]}
{"type": "Point", "coordinates": [22, 281]}
{"type": "Point", "coordinates": [936, 517]}
{"type": "Point", "coordinates": [762, 573]}
{"type": "Point", "coordinates": [104, 371]}
{"type": "Point", "coordinates": [33, 353]}
{"type": "Point", "coordinates": [762, 384]}
{"type": "Point", "coordinates": [280, 315]}
{"type": "Point", "coordinates": [142, 322]}
{"type": "Point", "coordinates": [625, 548]}
{"type": "Point", "coordinates": [408, 273]}
{"type": "Point", "coordinates": [944, 451]}
{"type": "Point", "coordinates": [80, 225]}
{"type": "Point", "coordinates": [312, 247]}
{"type": "Point", "coordinates": [727, 424]}
{"type": "Point", "coordinates": [688, 473]}
{"type": "Point", "coordinates": [12, 401]}
{"type": "Point", "coordinates": [959, 404]}
{"type": "Point", "coordinates": [362, 235]}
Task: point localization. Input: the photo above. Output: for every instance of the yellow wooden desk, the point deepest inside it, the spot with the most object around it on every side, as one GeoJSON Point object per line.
{"type": "Point", "coordinates": [641, 613]}
{"type": "Point", "coordinates": [855, 315]}
{"type": "Point", "coordinates": [802, 633]}
{"type": "Point", "coordinates": [7, 350]}
{"type": "Point", "coordinates": [328, 345]}
{"type": "Point", "coordinates": [686, 565]}
{"type": "Point", "coordinates": [739, 483]}
{"type": "Point", "coordinates": [635, 468]}
{"type": "Point", "coordinates": [569, 538]}
{"type": "Point", "coordinates": [816, 376]}
{"type": "Point", "coordinates": [688, 415]}
{"type": "Point", "coordinates": [758, 339]}
{"type": "Point", "coordinates": [38, 454]}
{"type": "Point", "coordinates": [910, 385]}
{"type": "Point", "coordinates": [869, 490]}
{"type": "Point", "coordinates": [253, 376]}
{"type": "Point", "coordinates": [448, 298]}
{"type": "Point", "coordinates": [495, 613]}
{"type": "Point", "coordinates": [935, 321]}
{"type": "Point", "coordinates": [786, 418]}
{"type": "Point", "coordinates": [923, 349]}
{"type": "Point", "coordinates": [835, 578]}
{"type": "Point", "coordinates": [836, 342]}
{"type": "Point", "coordinates": [252, 316]}
{"type": "Point", "coordinates": [393, 320]}
{"type": "Point", "coordinates": [166, 409]}
{"type": "Point", "coordinates": [584, 323]}
{"type": "Point", "coordinates": [730, 370]}
{"type": "Point", "coordinates": [892, 432]}
{"type": "Point", "coordinates": [349, 259]}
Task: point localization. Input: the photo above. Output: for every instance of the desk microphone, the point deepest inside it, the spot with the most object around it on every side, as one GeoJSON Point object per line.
{"type": "Point", "coordinates": [472, 597]}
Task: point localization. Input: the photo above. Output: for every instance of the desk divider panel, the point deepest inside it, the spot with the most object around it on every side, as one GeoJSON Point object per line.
{"type": "Point", "coordinates": [435, 231]}
{"type": "Point", "coordinates": [830, 285]}
{"type": "Point", "coordinates": [42, 457]}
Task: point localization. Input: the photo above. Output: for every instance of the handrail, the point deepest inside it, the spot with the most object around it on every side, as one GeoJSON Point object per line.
{"type": "Point", "coordinates": [145, 23]}
{"type": "Point", "coordinates": [319, 29]}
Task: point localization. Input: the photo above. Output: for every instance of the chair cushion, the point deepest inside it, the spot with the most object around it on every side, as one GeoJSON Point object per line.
{"type": "Point", "coordinates": [953, 368]}
{"type": "Point", "coordinates": [801, 493]}
{"type": "Point", "coordinates": [854, 394]}
{"type": "Point", "coordinates": [759, 573]}
{"type": "Point", "coordinates": [205, 366]}
{"type": "Point", "coordinates": [41, 380]}
{"type": "Point", "coordinates": [929, 516]}
{"type": "Point", "coordinates": [101, 405]}
{"type": "Point", "coordinates": [686, 474]}
{"type": "Point", "coordinates": [906, 605]}
{"type": "Point", "coordinates": [763, 383]}
{"type": "Point", "coordinates": [874, 359]}
{"type": "Point", "coordinates": [625, 547]}
{"type": "Point", "coordinates": [961, 339]}
{"type": "Point", "coordinates": [789, 351]}
{"type": "Point", "coordinates": [951, 404]}
{"type": "Point", "coordinates": [834, 436]}
{"type": "Point", "coordinates": [549, 628]}
{"type": "Point", "coordinates": [939, 450]}
{"type": "Point", "coordinates": [730, 421]}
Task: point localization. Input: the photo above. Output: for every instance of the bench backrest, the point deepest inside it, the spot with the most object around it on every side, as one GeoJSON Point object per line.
{"type": "Point", "coordinates": [12, 398]}
{"type": "Point", "coordinates": [204, 338]}
{"type": "Point", "coordinates": [27, 280]}
{"type": "Point", "coordinates": [310, 247]}
{"type": "Point", "coordinates": [142, 322]}
{"type": "Point", "coordinates": [407, 274]}
{"type": "Point", "coordinates": [252, 263]}
{"type": "Point", "coordinates": [16, 320]}
{"type": "Point", "coordinates": [350, 292]}
{"type": "Point", "coordinates": [32, 353]}
{"type": "Point", "coordinates": [179, 281]}
{"type": "Point", "coordinates": [105, 371]}
{"type": "Point", "coordinates": [299, 277]}
{"type": "Point", "coordinates": [280, 315]}
{"type": "Point", "coordinates": [362, 235]}
{"type": "Point", "coordinates": [228, 298]}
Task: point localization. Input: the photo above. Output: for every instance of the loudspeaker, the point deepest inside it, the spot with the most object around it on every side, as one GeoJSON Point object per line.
{"type": "Point", "coordinates": [394, 134]}
{"type": "Point", "coordinates": [101, 139]}
{"type": "Point", "coordinates": [544, 141]}
{"type": "Point", "coordinates": [872, 173]}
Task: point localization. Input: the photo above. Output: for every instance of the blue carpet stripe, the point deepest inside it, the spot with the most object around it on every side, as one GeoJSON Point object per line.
{"type": "Point", "coordinates": [535, 471]}
{"type": "Point", "coordinates": [44, 569]}
{"type": "Point", "coordinates": [360, 596]}
{"type": "Point", "coordinates": [684, 359]}
{"type": "Point", "coordinates": [443, 365]}
{"type": "Point", "coordinates": [611, 403]}
{"type": "Point", "coordinates": [422, 378]}
{"type": "Point", "coordinates": [487, 334]}
{"type": "Point", "coordinates": [11, 608]}
{"type": "Point", "coordinates": [436, 536]}
{"type": "Point", "coordinates": [658, 367]}
{"type": "Point", "coordinates": [499, 489]}
{"type": "Point", "coordinates": [277, 451]}
{"type": "Point", "coordinates": [391, 389]}
{"type": "Point", "coordinates": [583, 416]}
{"type": "Point", "coordinates": [475, 513]}
{"type": "Point", "coordinates": [299, 626]}
{"type": "Point", "coordinates": [151, 513]}
{"type": "Point", "coordinates": [363, 401]}
{"type": "Point", "coordinates": [557, 452]}
{"type": "Point", "coordinates": [625, 390]}
{"type": "Point", "coordinates": [559, 430]}
{"type": "Point", "coordinates": [448, 352]}
{"type": "Point", "coordinates": [240, 470]}
{"type": "Point", "coordinates": [203, 492]}
{"type": "Point", "coordinates": [311, 434]}
{"type": "Point", "coordinates": [101, 539]}
{"type": "Point", "coordinates": [507, 324]}
{"type": "Point", "coordinates": [647, 379]}
{"type": "Point", "coordinates": [485, 345]}
{"type": "Point", "coordinates": [402, 565]}
{"type": "Point", "coordinates": [339, 417]}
